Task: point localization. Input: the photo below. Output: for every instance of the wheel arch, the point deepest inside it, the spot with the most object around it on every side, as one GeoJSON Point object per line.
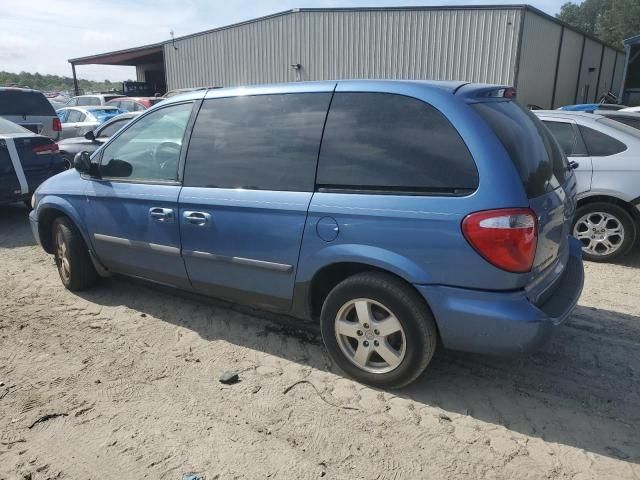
{"type": "Point", "coordinates": [628, 207]}
{"type": "Point", "coordinates": [50, 209]}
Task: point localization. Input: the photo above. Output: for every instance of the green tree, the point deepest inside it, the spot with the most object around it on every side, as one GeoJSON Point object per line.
{"type": "Point", "coordinates": [39, 81]}
{"type": "Point", "coordinates": [611, 21]}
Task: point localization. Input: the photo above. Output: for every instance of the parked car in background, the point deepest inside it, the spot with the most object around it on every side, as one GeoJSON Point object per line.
{"type": "Point", "coordinates": [31, 110]}
{"type": "Point", "coordinates": [607, 159]}
{"type": "Point", "coordinates": [631, 109]}
{"type": "Point", "coordinates": [591, 107]}
{"type": "Point", "coordinates": [134, 104]}
{"type": "Point", "coordinates": [76, 121]}
{"type": "Point", "coordinates": [90, 100]}
{"type": "Point", "coordinates": [93, 139]}
{"type": "Point", "coordinates": [26, 160]}
{"type": "Point", "coordinates": [628, 118]}
{"type": "Point", "coordinates": [399, 214]}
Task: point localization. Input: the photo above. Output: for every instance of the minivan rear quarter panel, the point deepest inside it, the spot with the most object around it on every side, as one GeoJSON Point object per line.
{"type": "Point", "coordinates": [419, 237]}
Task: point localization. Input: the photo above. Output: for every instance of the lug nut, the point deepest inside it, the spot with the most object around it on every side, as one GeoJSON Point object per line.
{"type": "Point", "coordinates": [376, 343]}
{"type": "Point", "coordinates": [366, 325]}
{"type": "Point", "coordinates": [359, 332]}
{"type": "Point", "coordinates": [365, 343]}
{"type": "Point", "coordinates": [376, 331]}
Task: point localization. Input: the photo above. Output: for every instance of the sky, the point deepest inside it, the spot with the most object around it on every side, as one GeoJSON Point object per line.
{"type": "Point", "coordinates": [41, 35]}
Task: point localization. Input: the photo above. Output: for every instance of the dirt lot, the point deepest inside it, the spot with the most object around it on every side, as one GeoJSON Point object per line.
{"type": "Point", "coordinates": [122, 382]}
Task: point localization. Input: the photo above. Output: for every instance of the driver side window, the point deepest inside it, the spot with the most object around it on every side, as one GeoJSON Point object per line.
{"type": "Point", "coordinates": [150, 148]}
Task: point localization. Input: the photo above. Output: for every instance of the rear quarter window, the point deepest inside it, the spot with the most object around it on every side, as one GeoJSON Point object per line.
{"type": "Point", "coordinates": [537, 156]}
{"type": "Point", "coordinates": [17, 102]}
{"type": "Point", "coordinates": [599, 144]}
{"type": "Point", "coordinates": [392, 143]}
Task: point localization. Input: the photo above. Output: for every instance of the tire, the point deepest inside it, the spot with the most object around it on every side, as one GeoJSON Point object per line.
{"type": "Point", "coordinates": [595, 247]}
{"type": "Point", "coordinates": [68, 160]}
{"type": "Point", "coordinates": [412, 346]}
{"type": "Point", "coordinates": [74, 265]}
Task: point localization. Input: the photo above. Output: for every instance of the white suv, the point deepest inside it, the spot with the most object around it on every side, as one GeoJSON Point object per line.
{"type": "Point", "coordinates": [607, 154]}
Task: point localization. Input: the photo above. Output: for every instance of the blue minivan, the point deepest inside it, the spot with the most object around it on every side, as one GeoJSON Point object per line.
{"type": "Point", "coordinates": [399, 214]}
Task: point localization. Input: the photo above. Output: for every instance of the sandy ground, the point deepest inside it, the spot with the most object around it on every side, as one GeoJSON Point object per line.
{"type": "Point", "coordinates": [122, 382]}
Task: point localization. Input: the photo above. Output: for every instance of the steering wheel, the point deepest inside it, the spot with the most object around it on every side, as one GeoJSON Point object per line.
{"type": "Point", "coordinates": [166, 154]}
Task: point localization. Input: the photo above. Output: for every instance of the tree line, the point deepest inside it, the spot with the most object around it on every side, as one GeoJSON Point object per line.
{"type": "Point", "coordinates": [612, 21]}
{"type": "Point", "coordinates": [38, 81]}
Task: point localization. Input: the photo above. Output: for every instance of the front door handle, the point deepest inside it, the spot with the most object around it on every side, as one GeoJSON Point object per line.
{"type": "Point", "coordinates": [573, 165]}
{"type": "Point", "coordinates": [161, 214]}
{"type": "Point", "coordinates": [197, 218]}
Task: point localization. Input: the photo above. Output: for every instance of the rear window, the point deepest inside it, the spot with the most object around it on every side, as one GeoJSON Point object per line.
{"type": "Point", "coordinates": [153, 101]}
{"type": "Point", "coordinates": [9, 127]}
{"type": "Point", "coordinates": [87, 101]}
{"type": "Point", "coordinates": [380, 142]}
{"type": "Point", "coordinates": [18, 102]}
{"type": "Point", "coordinates": [111, 97]}
{"type": "Point", "coordinates": [540, 162]}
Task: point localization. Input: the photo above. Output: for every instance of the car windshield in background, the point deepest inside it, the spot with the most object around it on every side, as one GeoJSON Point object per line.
{"type": "Point", "coordinates": [103, 114]}
{"type": "Point", "coordinates": [153, 101]}
{"type": "Point", "coordinates": [627, 120]}
{"type": "Point", "coordinates": [620, 126]}
{"type": "Point", "coordinates": [534, 152]}
{"type": "Point", "coordinates": [9, 127]}
{"type": "Point", "coordinates": [18, 102]}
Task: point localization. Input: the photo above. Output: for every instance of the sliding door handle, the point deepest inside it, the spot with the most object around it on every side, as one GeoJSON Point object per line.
{"type": "Point", "coordinates": [197, 218]}
{"type": "Point", "coordinates": [161, 214]}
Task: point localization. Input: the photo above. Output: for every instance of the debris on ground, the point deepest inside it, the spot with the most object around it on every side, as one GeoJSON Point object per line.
{"type": "Point", "coordinates": [46, 418]}
{"type": "Point", "coordinates": [229, 377]}
{"type": "Point", "coordinates": [192, 476]}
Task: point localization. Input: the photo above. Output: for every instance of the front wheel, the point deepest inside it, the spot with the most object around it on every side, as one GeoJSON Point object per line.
{"type": "Point", "coordinates": [605, 230]}
{"type": "Point", "coordinates": [378, 330]}
{"type": "Point", "coordinates": [72, 256]}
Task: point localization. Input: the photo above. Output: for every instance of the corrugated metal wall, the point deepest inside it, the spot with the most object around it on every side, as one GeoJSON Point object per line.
{"type": "Point", "coordinates": [606, 71]}
{"type": "Point", "coordinates": [589, 71]}
{"type": "Point", "coordinates": [568, 68]}
{"type": "Point", "coordinates": [469, 44]}
{"type": "Point", "coordinates": [474, 44]}
{"type": "Point", "coordinates": [538, 59]}
{"type": "Point", "coordinates": [617, 74]}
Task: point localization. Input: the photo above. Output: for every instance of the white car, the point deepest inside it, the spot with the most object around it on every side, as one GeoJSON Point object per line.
{"type": "Point", "coordinates": [631, 109]}
{"type": "Point", "coordinates": [91, 100]}
{"type": "Point", "coordinates": [76, 121]}
{"type": "Point", "coordinates": [606, 157]}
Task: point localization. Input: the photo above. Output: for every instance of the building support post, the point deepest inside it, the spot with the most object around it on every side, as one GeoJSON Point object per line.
{"type": "Point", "coordinates": [75, 80]}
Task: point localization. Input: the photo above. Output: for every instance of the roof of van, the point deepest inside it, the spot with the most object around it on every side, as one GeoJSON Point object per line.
{"type": "Point", "coordinates": [461, 88]}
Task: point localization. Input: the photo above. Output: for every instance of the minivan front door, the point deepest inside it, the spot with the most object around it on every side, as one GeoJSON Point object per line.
{"type": "Point", "coordinates": [249, 178]}
{"type": "Point", "coordinates": [133, 207]}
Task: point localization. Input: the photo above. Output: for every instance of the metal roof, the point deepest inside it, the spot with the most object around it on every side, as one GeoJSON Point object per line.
{"type": "Point", "coordinates": [137, 52]}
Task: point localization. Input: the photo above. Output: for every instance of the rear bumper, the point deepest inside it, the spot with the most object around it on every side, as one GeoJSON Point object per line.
{"type": "Point", "coordinates": [504, 323]}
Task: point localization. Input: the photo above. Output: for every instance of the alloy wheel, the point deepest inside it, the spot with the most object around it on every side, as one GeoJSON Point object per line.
{"type": "Point", "coordinates": [62, 256]}
{"type": "Point", "coordinates": [600, 233]}
{"type": "Point", "coordinates": [370, 335]}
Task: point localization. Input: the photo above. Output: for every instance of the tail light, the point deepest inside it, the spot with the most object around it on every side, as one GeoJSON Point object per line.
{"type": "Point", "coordinates": [46, 149]}
{"type": "Point", "coordinates": [57, 125]}
{"type": "Point", "coordinates": [506, 238]}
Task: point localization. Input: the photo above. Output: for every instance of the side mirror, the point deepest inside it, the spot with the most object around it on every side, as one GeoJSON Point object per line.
{"type": "Point", "coordinates": [90, 136]}
{"type": "Point", "coordinates": [82, 162]}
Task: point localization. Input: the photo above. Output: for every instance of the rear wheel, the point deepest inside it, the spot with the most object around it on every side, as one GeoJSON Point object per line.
{"type": "Point", "coordinates": [378, 330]}
{"type": "Point", "coordinates": [605, 230]}
{"type": "Point", "coordinates": [72, 256]}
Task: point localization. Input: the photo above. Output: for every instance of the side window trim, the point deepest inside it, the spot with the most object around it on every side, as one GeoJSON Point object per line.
{"type": "Point", "coordinates": [183, 149]}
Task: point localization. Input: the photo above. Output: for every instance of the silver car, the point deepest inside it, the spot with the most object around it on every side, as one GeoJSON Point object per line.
{"type": "Point", "coordinates": [76, 121]}
{"type": "Point", "coordinates": [90, 100]}
{"type": "Point", "coordinates": [606, 157]}
{"type": "Point", "coordinates": [30, 109]}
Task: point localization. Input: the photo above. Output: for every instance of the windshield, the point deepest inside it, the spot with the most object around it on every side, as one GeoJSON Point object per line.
{"type": "Point", "coordinates": [9, 127]}
{"type": "Point", "coordinates": [19, 102]}
{"type": "Point", "coordinates": [623, 127]}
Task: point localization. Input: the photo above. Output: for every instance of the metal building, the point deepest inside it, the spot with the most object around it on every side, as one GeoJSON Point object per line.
{"type": "Point", "coordinates": [549, 63]}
